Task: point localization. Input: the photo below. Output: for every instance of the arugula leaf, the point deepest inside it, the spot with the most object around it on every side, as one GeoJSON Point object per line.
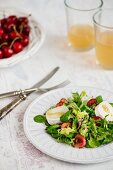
{"type": "Point", "coordinates": [66, 117]}
{"type": "Point", "coordinates": [52, 129]}
{"type": "Point", "coordinates": [99, 99]}
{"type": "Point", "coordinates": [41, 119]}
{"type": "Point", "coordinates": [111, 104]}
{"type": "Point", "coordinates": [87, 109]}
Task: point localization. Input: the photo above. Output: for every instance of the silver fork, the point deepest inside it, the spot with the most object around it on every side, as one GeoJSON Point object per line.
{"type": "Point", "coordinates": [5, 110]}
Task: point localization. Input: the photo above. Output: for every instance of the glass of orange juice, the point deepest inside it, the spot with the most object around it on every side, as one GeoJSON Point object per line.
{"type": "Point", "coordinates": [103, 23]}
{"type": "Point", "coordinates": [79, 22]}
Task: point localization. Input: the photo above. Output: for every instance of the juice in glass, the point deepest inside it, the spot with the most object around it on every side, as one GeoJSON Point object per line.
{"type": "Point", "coordinates": [81, 36]}
{"type": "Point", "coordinates": [104, 49]}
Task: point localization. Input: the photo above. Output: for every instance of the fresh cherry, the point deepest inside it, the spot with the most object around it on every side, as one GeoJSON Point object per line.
{"type": "Point", "coordinates": [91, 102]}
{"type": "Point", "coordinates": [23, 20]}
{"type": "Point", "coordinates": [96, 118]}
{"type": "Point", "coordinates": [1, 54]}
{"type": "Point", "coordinates": [61, 102]}
{"type": "Point", "coordinates": [5, 37]}
{"type": "Point", "coordinates": [8, 27]}
{"type": "Point", "coordinates": [11, 19]}
{"type": "Point", "coordinates": [17, 47]}
{"type": "Point", "coordinates": [1, 32]}
{"type": "Point", "coordinates": [24, 41]}
{"type": "Point", "coordinates": [26, 30]}
{"type": "Point", "coordinates": [79, 141]}
{"type": "Point", "coordinates": [13, 35]}
{"type": "Point", "coordinates": [8, 52]}
{"type": "Point", "coordinates": [3, 21]}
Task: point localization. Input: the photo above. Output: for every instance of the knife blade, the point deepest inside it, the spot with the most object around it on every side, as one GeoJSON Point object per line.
{"type": "Point", "coordinates": [37, 85]}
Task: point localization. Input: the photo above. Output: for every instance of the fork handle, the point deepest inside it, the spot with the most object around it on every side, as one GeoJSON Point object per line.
{"type": "Point", "coordinates": [5, 110]}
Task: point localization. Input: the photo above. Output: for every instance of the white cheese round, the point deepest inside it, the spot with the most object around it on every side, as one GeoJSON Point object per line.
{"type": "Point", "coordinates": [53, 115]}
{"type": "Point", "coordinates": [104, 109]}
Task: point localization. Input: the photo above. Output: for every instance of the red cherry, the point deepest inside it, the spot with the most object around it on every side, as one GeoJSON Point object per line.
{"type": "Point", "coordinates": [97, 118]}
{"type": "Point", "coordinates": [61, 102]}
{"type": "Point", "coordinates": [1, 32]}
{"type": "Point", "coordinates": [23, 20]}
{"type": "Point", "coordinates": [17, 47]}
{"type": "Point", "coordinates": [13, 35]}
{"type": "Point", "coordinates": [8, 52]}
{"type": "Point", "coordinates": [8, 27]}
{"type": "Point", "coordinates": [3, 21]}
{"type": "Point", "coordinates": [25, 40]}
{"type": "Point", "coordinates": [79, 141]}
{"type": "Point", "coordinates": [91, 102]}
{"type": "Point", "coordinates": [1, 54]}
{"type": "Point", "coordinates": [26, 30]}
{"type": "Point", "coordinates": [65, 125]}
{"type": "Point", "coordinates": [5, 37]}
{"type": "Point", "coordinates": [0, 23]}
{"type": "Point", "coordinates": [11, 19]}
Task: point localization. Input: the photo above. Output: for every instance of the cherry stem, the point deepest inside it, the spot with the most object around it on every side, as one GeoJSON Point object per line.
{"type": "Point", "coordinates": [16, 30]}
{"type": "Point", "coordinates": [4, 43]}
{"type": "Point", "coordinates": [14, 41]}
{"type": "Point", "coordinates": [21, 27]}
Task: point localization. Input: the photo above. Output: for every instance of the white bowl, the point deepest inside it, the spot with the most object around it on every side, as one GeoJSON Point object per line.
{"type": "Point", "coordinates": [36, 39]}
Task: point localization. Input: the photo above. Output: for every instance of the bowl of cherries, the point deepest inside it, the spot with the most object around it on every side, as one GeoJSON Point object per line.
{"type": "Point", "coordinates": [20, 37]}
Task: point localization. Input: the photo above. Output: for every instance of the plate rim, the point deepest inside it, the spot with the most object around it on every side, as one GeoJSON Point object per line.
{"type": "Point", "coordinates": [98, 160]}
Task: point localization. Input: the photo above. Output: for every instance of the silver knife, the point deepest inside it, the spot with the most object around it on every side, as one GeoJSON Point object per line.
{"type": "Point", "coordinates": [5, 110]}
{"type": "Point", "coordinates": [33, 88]}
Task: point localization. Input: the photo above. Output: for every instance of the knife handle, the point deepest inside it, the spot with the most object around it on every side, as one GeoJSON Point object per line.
{"type": "Point", "coordinates": [8, 108]}
{"type": "Point", "coordinates": [18, 92]}
{"type": "Point", "coordinates": [9, 94]}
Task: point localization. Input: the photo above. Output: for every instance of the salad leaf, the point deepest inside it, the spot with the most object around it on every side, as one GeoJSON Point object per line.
{"type": "Point", "coordinates": [84, 130]}
{"type": "Point", "coordinates": [66, 131]}
{"type": "Point", "coordinates": [66, 117]}
{"type": "Point", "coordinates": [52, 129]}
{"type": "Point", "coordinates": [92, 142]}
{"type": "Point", "coordinates": [41, 119]}
{"type": "Point", "coordinates": [83, 94]}
{"type": "Point", "coordinates": [87, 109]}
{"type": "Point", "coordinates": [99, 99]}
{"type": "Point", "coordinates": [111, 104]}
{"type": "Point", "coordinates": [73, 105]}
{"type": "Point", "coordinates": [77, 98]}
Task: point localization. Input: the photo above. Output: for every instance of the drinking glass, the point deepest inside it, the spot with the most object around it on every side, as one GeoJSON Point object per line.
{"type": "Point", "coordinates": [80, 30]}
{"type": "Point", "coordinates": [103, 24]}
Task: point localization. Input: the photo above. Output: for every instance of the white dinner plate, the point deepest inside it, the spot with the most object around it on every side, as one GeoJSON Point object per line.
{"type": "Point", "coordinates": [37, 36]}
{"type": "Point", "coordinates": [36, 134]}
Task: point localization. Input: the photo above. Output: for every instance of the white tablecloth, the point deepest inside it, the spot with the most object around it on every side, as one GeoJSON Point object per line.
{"type": "Point", "coordinates": [16, 152]}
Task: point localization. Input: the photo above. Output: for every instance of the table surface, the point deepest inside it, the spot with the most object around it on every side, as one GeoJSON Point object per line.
{"type": "Point", "coordinates": [16, 152]}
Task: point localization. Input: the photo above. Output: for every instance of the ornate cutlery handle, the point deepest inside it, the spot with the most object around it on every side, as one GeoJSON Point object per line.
{"type": "Point", "coordinates": [16, 93]}
{"type": "Point", "coordinates": [5, 110]}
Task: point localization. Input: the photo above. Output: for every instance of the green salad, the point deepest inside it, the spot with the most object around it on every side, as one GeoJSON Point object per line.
{"type": "Point", "coordinates": [79, 121]}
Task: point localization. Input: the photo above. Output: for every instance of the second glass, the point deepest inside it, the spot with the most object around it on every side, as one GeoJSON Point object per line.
{"type": "Point", "coordinates": [79, 22]}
